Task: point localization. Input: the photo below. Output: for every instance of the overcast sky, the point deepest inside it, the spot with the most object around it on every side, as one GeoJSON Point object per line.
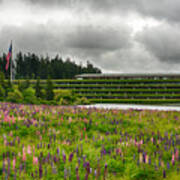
{"type": "Point", "coordinates": [116, 35]}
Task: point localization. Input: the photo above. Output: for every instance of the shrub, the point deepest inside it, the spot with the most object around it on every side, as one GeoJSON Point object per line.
{"type": "Point", "coordinates": [43, 93]}
{"type": "Point", "coordinates": [2, 93]}
{"type": "Point", "coordinates": [15, 96]}
{"type": "Point", "coordinates": [29, 96]}
{"type": "Point", "coordinates": [63, 102]}
{"type": "Point", "coordinates": [2, 80]}
{"type": "Point", "coordinates": [22, 85]}
{"type": "Point", "coordinates": [82, 101]}
{"type": "Point", "coordinates": [65, 96]}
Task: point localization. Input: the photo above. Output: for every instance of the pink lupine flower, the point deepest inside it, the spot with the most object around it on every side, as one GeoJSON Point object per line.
{"type": "Point", "coordinates": [70, 120]}
{"type": "Point", "coordinates": [19, 154]}
{"type": "Point", "coordinates": [85, 120]}
{"type": "Point", "coordinates": [140, 158]}
{"type": "Point", "coordinates": [35, 160]}
{"type": "Point", "coordinates": [173, 159]}
{"type": "Point", "coordinates": [5, 118]}
{"type": "Point", "coordinates": [62, 119]}
{"type": "Point", "coordinates": [14, 163]}
{"type": "Point", "coordinates": [13, 120]}
{"type": "Point", "coordinates": [5, 162]}
{"type": "Point", "coordinates": [5, 142]}
{"type": "Point", "coordinates": [177, 154]}
{"type": "Point", "coordinates": [24, 156]}
{"type": "Point", "coordinates": [11, 133]}
{"type": "Point", "coordinates": [146, 159]}
{"type": "Point", "coordinates": [135, 142]}
{"type": "Point", "coordinates": [29, 149]}
{"type": "Point", "coordinates": [141, 142]}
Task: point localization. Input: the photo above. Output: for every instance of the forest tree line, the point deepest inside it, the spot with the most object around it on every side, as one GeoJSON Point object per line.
{"type": "Point", "coordinates": [31, 66]}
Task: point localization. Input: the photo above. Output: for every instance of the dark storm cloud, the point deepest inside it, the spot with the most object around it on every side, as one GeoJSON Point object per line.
{"type": "Point", "coordinates": [53, 38]}
{"type": "Point", "coordinates": [91, 37]}
{"type": "Point", "coordinates": [163, 42]}
{"type": "Point", "coordinates": [161, 9]}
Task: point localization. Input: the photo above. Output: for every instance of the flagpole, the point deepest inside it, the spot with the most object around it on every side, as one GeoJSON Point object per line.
{"type": "Point", "coordinates": [11, 65]}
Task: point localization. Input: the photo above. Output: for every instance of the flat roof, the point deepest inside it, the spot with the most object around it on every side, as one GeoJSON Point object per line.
{"type": "Point", "coordinates": [128, 74]}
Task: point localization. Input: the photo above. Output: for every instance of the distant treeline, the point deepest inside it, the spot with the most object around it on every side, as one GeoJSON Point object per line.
{"type": "Point", "coordinates": [32, 66]}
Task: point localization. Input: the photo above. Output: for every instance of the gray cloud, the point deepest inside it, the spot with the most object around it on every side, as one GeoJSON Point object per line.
{"type": "Point", "coordinates": [102, 38]}
{"type": "Point", "coordinates": [85, 42]}
{"type": "Point", "coordinates": [162, 41]}
{"type": "Point", "coordinates": [122, 56]}
{"type": "Point", "coordinates": [161, 9]}
{"type": "Point", "coordinates": [107, 43]}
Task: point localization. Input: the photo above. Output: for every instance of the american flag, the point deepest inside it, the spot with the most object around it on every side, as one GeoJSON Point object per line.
{"type": "Point", "coordinates": [8, 56]}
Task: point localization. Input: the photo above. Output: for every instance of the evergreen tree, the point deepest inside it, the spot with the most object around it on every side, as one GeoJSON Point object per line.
{"type": "Point", "coordinates": [49, 89]}
{"type": "Point", "coordinates": [38, 88]}
{"type": "Point", "coordinates": [33, 66]}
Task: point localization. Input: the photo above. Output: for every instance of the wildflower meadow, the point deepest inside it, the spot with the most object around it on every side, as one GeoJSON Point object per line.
{"type": "Point", "coordinates": [56, 142]}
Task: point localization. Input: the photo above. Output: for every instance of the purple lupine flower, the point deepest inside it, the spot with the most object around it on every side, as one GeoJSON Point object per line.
{"type": "Point", "coordinates": [88, 167]}
{"type": "Point", "coordinates": [54, 169]}
{"type": "Point", "coordinates": [84, 157]}
{"type": "Point", "coordinates": [40, 171]}
{"type": "Point", "coordinates": [95, 172]}
{"type": "Point", "coordinates": [65, 173]}
{"type": "Point", "coordinates": [57, 151]}
{"type": "Point", "coordinates": [87, 170]}
{"type": "Point", "coordinates": [55, 159]}
{"type": "Point", "coordinates": [168, 165]}
{"type": "Point", "coordinates": [134, 156]}
{"type": "Point", "coordinates": [79, 160]}
{"type": "Point", "coordinates": [164, 174]}
{"type": "Point", "coordinates": [84, 164]}
{"type": "Point", "coordinates": [77, 151]}
{"type": "Point", "coordinates": [77, 173]}
{"type": "Point", "coordinates": [48, 156]}
{"type": "Point", "coordinates": [144, 157]}
{"type": "Point", "coordinates": [54, 137]}
{"type": "Point", "coordinates": [81, 149]}
{"type": "Point", "coordinates": [48, 146]}
{"type": "Point", "coordinates": [20, 168]}
{"type": "Point", "coordinates": [149, 160]}
{"type": "Point", "coordinates": [71, 157]}
{"type": "Point", "coordinates": [105, 172]}
{"type": "Point", "coordinates": [138, 162]}
{"type": "Point", "coordinates": [64, 157]}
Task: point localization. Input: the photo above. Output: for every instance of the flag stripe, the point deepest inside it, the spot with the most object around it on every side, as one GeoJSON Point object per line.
{"type": "Point", "coordinates": [8, 57]}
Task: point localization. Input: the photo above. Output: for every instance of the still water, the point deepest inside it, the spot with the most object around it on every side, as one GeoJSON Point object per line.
{"type": "Point", "coordinates": [133, 106]}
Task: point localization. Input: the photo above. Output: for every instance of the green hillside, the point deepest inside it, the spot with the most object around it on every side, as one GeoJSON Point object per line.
{"type": "Point", "coordinates": [145, 91]}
